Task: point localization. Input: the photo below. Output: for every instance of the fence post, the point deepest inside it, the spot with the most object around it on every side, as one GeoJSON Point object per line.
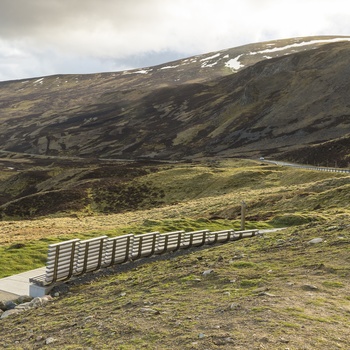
{"type": "Point", "coordinates": [243, 209]}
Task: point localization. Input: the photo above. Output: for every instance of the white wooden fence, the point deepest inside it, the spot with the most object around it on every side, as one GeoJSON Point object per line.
{"type": "Point", "coordinates": [75, 257]}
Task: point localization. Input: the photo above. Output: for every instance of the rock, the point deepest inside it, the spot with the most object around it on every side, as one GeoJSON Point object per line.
{"type": "Point", "coordinates": [260, 290]}
{"type": "Point", "coordinates": [222, 341]}
{"type": "Point", "coordinates": [283, 340]}
{"type": "Point", "coordinates": [10, 312]}
{"type": "Point", "coordinates": [24, 306]}
{"type": "Point", "coordinates": [207, 272]}
{"type": "Point", "coordinates": [316, 240]}
{"type": "Point", "coordinates": [149, 311]}
{"type": "Point", "coordinates": [9, 305]}
{"type": "Point", "coordinates": [234, 306]}
{"type": "Point", "coordinates": [262, 294]}
{"type": "Point", "coordinates": [36, 302]}
{"type": "Point", "coordinates": [50, 340]}
{"type": "Point", "coordinates": [331, 228]}
{"type": "Point", "coordinates": [23, 299]}
{"type": "Point", "coordinates": [12, 308]}
{"type": "Point", "coordinates": [309, 287]}
{"type": "Point", "coordinates": [238, 256]}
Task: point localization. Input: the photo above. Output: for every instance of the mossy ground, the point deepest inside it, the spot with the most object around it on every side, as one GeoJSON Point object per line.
{"type": "Point", "coordinates": [274, 291]}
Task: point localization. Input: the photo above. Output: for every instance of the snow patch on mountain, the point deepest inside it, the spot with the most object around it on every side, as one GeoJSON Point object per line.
{"type": "Point", "coordinates": [39, 81]}
{"type": "Point", "coordinates": [169, 67]}
{"type": "Point", "coordinates": [234, 63]}
{"type": "Point", "coordinates": [210, 57]}
{"type": "Point", "coordinates": [303, 43]}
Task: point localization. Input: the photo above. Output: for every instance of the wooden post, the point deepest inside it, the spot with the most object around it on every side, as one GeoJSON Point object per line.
{"type": "Point", "coordinates": [243, 209]}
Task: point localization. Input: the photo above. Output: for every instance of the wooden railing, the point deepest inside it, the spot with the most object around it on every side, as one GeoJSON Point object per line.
{"type": "Point", "coordinates": [76, 257]}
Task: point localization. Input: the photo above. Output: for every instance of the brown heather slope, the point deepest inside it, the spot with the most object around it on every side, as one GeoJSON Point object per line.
{"type": "Point", "coordinates": [284, 95]}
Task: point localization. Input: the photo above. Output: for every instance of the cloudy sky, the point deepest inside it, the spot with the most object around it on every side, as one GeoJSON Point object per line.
{"type": "Point", "coordinates": [44, 37]}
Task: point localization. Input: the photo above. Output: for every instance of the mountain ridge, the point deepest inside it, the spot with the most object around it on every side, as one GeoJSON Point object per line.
{"type": "Point", "coordinates": [266, 98]}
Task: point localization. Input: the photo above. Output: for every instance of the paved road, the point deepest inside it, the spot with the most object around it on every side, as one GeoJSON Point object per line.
{"type": "Point", "coordinates": [309, 167]}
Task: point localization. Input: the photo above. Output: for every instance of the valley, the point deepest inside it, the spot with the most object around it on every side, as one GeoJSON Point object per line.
{"type": "Point", "coordinates": [179, 146]}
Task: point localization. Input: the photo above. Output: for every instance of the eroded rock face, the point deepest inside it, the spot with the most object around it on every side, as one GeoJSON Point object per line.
{"type": "Point", "coordinates": [260, 98]}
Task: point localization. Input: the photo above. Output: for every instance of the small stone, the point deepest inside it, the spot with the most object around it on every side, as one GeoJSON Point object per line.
{"type": "Point", "coordinates": [201, 335]}
{"type": "Point", "coordinates": [220, 341]}
{"type": "Point", "coordinates": [309, 287]}
{"type": "Point", "coordinates": [234, 306]}
{"type": "Point", "coordinates": [11, 312]}
{"type": "Point", "coordinates": [36, 302]}
{"type": "Point", "coordinates": [265, 294]}
{"type": "Point", "coordinates": [149, 311]}
{"type": "Point", "coordinates": [24, 306]}
{"type": "Point", "coordinates": [283, 340]}
{"type": "Point", "coordinates": [9, 305]}
{"type": "Point", "coordinates": [260, 290]}
{"type": "Point", "coordinates": [46, 298]}
{"type": "Point", "coordinates": [316, 240]}
{"type": "Point", "coordinates": [207, 272]}
{"type": "Point", "coordinates": [23, 299]}
{"type": "Point", "coordinates": [331, 228]}
{"type": "Point", "coordinates": [50, 340]}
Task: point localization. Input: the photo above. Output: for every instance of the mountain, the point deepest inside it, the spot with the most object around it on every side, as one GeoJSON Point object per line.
{"type": "Point", "coordinates": [272, 99]}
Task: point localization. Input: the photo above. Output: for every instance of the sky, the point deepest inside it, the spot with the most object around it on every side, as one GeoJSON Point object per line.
{"type": "Point", "coordinates": [46, 37]}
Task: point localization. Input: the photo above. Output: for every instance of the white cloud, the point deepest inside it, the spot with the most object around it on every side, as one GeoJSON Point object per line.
{"type": "Point", "coordinates": [43, 37]}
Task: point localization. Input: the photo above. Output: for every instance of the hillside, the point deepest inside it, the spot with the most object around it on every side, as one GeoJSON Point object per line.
{"type": "Point", "coordinates": [274, 291]}
{"type": "Point", "coordinates": [268, 99]}
{"type": "Point", "coordinates": [167, 148]}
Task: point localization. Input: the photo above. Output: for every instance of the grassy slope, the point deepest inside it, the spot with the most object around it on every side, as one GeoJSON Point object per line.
{"type": "Point", "coordinates": [273, 292]}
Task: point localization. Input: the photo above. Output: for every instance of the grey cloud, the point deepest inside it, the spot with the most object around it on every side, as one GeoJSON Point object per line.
{"type": "Point", "coordinates": [23, 17]}
{"type": "Point", "coordinates": [39, 37]}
